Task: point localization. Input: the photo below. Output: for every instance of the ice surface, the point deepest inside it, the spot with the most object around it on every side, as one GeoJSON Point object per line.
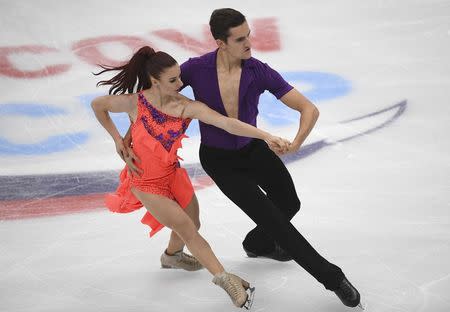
{"type": "Point", "coordinates": [373, 176]}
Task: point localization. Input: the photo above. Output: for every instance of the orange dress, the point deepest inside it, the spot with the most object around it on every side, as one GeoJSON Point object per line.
{"type": "Point", "coordinates": [156, 139]}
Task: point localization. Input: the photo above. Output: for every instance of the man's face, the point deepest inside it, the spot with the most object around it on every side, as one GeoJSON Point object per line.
{"type": "Point", "coordinates": [238, 43]}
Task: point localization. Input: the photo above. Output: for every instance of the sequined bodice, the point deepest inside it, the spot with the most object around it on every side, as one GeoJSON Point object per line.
{"type": "Point", "coordinates": [164, 128]}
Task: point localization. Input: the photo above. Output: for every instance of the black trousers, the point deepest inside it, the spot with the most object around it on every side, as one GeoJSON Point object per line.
{"type": "Point", "coordinates": [258, 182]}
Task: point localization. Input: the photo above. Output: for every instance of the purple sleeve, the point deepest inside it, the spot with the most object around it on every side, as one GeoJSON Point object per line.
{"type": "Point", "coordinates": [274, 83]}
{"type": "Point", "coordinates": [186, 73]}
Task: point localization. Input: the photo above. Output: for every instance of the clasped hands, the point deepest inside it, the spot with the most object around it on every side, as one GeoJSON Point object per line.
{"type": "Point", "coordinates": [280, 146]}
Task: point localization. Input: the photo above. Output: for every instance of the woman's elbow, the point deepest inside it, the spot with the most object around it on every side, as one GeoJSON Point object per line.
{"type": "Point", "coordinates": [96, 104]}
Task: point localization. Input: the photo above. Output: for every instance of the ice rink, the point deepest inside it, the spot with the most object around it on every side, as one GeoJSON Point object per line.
{"type": "Point", "coordinates": [373, 177]}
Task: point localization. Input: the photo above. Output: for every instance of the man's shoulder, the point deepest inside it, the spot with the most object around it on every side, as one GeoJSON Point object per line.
{"type": "Point", "coordinates": [261, 70]}
{"type": "Point", "coordinates": [257, 64]}
{"type": "Point", "coordinates": [205, 60]}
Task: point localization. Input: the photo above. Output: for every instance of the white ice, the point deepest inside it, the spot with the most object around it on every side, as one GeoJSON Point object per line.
{"type": "Point", "coordinates": [377, 205]}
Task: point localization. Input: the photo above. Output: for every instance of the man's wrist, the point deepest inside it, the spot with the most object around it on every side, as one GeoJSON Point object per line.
{"type": "Point", "coordinates": [296, 145]}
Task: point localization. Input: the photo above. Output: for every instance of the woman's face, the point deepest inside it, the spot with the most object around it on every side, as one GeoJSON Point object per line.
{"type": "Point", "coordinates": [169, 80]}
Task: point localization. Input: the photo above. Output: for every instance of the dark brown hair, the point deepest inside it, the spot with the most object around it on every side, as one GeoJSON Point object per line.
{"type": "Point", "coordinates": [222, 20]}
{"type": "Point", "coordinates": [144, 63]}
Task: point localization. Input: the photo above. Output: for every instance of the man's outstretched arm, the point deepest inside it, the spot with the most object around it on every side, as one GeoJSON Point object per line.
{"type": "Point", "coordinates": [308, 116]}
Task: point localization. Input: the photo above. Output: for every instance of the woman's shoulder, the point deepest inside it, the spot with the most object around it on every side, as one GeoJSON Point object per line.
{"type": "Point", "coordinates": [187, 106]}
{"type": "Point", "coordinates": [180, 99]}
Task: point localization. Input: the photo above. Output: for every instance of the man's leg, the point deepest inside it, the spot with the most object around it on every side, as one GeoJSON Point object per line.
{"type": "Point", "coordinates": [277, 182]}
{"type": "Point", "coordinates": [248, 196]}
{"type": "Point", "coordinates": [243, 190]}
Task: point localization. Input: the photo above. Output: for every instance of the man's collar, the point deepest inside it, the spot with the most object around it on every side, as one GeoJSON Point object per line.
{"type": "Point", "coordinates": [211, 60]}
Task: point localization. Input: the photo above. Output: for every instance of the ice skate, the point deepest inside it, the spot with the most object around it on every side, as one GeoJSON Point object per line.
{"type": "Point", "coordinates": [277, 253]}
{"type": "Point", "coordinates": [348, 294]}
{"type": "Point", "coordinates": [236, 289]}
{"type": "Point", "coordinates": [180, 260]}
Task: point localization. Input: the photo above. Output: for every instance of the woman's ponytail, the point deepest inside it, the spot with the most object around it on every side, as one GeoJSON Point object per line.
{"type": "Point", "coordinates": [144, 63]}
{"type": "Point", "coordinates": [130, 73]}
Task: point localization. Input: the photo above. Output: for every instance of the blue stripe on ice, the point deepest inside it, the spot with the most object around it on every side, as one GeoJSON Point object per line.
{"type": "Point", "coordinates": [324, 86]}
{"type": "Point", "coordinates": [52, 144]}
{"type": "Point", "coordinates": [30, 109]}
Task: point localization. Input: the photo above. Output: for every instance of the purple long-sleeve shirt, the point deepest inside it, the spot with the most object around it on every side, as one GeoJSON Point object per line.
{"type": "Point", "coordinates": [201, 74]}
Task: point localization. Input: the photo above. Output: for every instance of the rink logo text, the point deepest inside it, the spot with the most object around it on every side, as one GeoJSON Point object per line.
{"type": "Point", "coordinates": [38, 61]}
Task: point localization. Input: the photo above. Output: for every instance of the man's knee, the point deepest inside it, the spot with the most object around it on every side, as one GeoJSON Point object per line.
{"type": "Point", "coordinates": [292, 207]}
{"type": "Point", "coordinates": [297, 204]}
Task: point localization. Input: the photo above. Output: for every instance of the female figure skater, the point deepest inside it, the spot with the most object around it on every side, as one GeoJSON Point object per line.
{"type": "Point", "coordinates": [160, 117]}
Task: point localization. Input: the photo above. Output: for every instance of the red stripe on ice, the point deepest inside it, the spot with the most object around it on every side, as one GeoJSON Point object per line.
{"type": "Point", "coordinates": [54, 206]}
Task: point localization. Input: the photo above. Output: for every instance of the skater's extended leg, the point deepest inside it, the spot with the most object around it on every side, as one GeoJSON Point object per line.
{"type": "Point", "coordinates": [169, 213]}
{"type": "Point", "coordinates": [247, 195]}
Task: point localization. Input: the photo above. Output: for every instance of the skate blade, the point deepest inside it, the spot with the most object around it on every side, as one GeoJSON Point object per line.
{"type": "Point", "coordinates": [251, 294]}
{"type": "Point", "coordinates": [165, 266]}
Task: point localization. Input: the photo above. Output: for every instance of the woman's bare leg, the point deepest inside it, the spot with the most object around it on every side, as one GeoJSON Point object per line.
{"type": "Point", "coordinates": [169, 213]}
{"type": "Point", "coordinates": [175, 242]}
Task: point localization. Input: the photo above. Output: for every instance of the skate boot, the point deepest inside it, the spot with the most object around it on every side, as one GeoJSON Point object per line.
{"type": "Point", "coordinates": [180, 260]}
{"type": "Point", "coordinates": [348, 294]}
{"type": "Point", "coordinates": [236, 289]}
{"type": "Point", "coordinates": [277, 253]}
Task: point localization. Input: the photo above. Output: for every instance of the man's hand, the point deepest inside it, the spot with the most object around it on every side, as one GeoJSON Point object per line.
{"type": "Point", "coordinates": [282, 146]}
{"type": "Point", "coordinates": [131, 161]}
{"type": "Point", "coordinates": [123, 148]}
{"type": "Point", "coordinates": [127, 139]}
{"type": "Point", "coordinates": [278, 145]}
{"type": "Point", "coordinates": [292, 148]}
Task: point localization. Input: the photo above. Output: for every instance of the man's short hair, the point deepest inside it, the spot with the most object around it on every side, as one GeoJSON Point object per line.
{"type": "Point", "coordinates": [222, 20]}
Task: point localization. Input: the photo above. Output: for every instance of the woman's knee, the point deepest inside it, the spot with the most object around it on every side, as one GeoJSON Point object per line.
{"type": "Point", "coordinates": [184, 227]}
{"type": "Point", "coordinates": [196, 208]}
{"type": "Point", "coordinates": [197, 224]}
{"type": "Point", "coordinates": [195, 220]}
